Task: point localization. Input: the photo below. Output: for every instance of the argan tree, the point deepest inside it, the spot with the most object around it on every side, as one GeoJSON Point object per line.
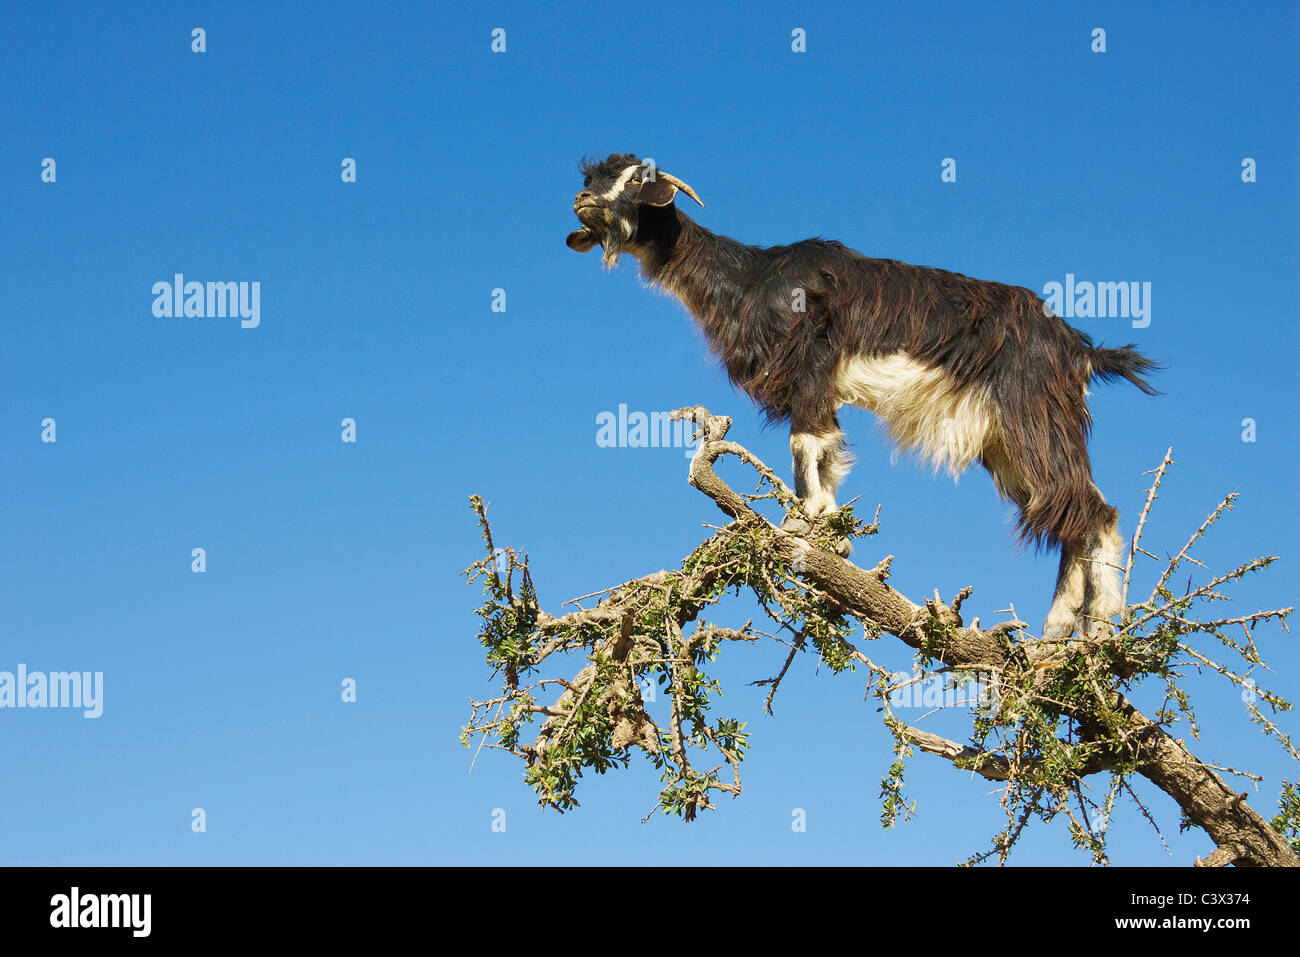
{"type": "Point", "coordinates": [1050, 714]}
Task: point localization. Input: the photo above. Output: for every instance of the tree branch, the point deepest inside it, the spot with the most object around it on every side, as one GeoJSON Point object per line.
{"type": "Point", "coordinates": [637, 629]}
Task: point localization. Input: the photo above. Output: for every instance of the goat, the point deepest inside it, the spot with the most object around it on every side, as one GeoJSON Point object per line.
{"type": "Point", "coordinates": [961, 370]}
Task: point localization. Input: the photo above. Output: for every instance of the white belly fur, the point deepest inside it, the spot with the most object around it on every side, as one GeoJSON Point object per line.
{"type": "Point", "coordinates": [923, 407]}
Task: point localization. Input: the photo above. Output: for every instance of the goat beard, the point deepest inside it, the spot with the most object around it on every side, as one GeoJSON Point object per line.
{"type": "Point", "coordinates": [616, 236]}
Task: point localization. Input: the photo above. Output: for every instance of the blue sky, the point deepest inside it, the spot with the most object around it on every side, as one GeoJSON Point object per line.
{"type": "Point", "coordinates": [328, 560]}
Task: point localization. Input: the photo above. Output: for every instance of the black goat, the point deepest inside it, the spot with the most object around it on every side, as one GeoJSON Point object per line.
{"type": "Point", "coordinates": [960, 369]}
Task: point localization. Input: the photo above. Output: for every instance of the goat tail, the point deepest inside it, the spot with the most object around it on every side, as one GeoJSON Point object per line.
{"type": "Point", "coordinates": [1123, 363]}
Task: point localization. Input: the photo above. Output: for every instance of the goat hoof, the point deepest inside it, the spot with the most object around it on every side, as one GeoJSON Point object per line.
{"type": "Point", "coordinates": [1057, 631]}
{"type": "Point", "coordinates": [1098, 630]}
{"type": "Point", "coordinates": [801, 527]}
{"type": "Point", "coordinates": [796, 526]}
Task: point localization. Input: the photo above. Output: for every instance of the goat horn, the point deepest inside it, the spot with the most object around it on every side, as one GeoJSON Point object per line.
{"type": "Point", "coordinates": [668, 177]}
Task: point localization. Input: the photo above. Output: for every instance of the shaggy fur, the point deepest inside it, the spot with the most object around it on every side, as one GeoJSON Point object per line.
{"type": "Point", "coordinates": [960, 369]}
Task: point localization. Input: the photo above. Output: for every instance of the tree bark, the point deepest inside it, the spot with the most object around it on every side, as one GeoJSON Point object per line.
{"type": "Point", "coordinates": [1242, 836]}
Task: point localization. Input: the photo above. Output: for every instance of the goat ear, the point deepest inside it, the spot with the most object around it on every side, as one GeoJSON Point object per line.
{"type": "Point", "coordinates": [656, 192]}
{"type": "Point", "coordinates": [580, 240]}
{"type": "Point", "coordinates": [660, 190]}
